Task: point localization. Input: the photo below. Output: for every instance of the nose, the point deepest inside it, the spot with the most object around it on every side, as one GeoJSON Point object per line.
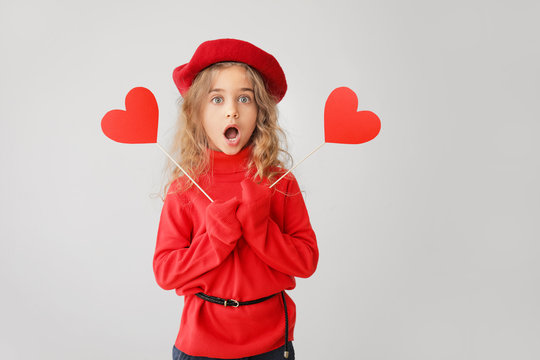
{"type": "Point", "coordinates": [232, 111]}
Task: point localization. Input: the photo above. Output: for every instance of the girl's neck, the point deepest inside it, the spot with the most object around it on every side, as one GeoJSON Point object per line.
{"type": "Point", "coordinates": [223, 163]}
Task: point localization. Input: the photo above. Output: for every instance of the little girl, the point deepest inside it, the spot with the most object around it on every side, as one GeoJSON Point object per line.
{"type": "Point", "coordinates": [233, 258]}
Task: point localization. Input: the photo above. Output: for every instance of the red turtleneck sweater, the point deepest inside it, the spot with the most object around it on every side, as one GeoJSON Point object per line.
{"type": "Point", "coordinates": [250, 243]}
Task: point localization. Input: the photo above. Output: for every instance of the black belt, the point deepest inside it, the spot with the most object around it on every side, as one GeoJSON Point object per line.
{"type": "Point", "coordinates": [236, 303]}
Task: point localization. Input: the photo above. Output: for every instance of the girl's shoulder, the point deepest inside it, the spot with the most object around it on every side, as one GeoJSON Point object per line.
{"type": "Point", "coordinates": [181, 191]}
{"type": "Point", "coordinates": [287, 185]}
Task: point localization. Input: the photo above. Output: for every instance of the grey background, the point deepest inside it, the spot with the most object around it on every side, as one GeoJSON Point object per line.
{"type": "Point", "coordinates": [428, 234]}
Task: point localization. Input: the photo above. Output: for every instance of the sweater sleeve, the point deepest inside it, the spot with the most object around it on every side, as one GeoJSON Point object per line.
{"type": "Point", "coordinates": [179, 258]}
{"type": "Point", "coordinates": [291, 250]}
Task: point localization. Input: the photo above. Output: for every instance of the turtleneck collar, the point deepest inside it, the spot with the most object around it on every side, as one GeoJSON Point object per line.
{"type": "Point", "coordinates": [223, 163]}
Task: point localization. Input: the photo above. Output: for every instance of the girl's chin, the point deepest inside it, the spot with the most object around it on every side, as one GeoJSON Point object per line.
{"type": "Point", "coordinates": [231, 151]}
{"type": "Point", "coordinates": [227, 149]}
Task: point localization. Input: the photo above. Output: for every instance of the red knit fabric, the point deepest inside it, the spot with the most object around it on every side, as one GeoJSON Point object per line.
{"type": "Point", "coordinates": [250, 243]}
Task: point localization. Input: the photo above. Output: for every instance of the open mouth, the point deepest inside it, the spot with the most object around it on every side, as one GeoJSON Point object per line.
{"type": "Point", "coordinates": [231, 134]}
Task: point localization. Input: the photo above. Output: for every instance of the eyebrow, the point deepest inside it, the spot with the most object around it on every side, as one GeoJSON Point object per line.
{"type": "Point", "coordinates": [242, 89]}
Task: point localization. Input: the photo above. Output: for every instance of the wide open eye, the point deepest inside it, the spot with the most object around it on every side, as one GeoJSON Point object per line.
{"type": "Point", "coordinates": [244, 99]}
{"type": "Point", "coordinates": [217, 99]}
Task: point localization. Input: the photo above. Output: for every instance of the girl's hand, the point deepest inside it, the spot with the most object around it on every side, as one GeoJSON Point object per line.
{"type": "Point", "coordinates": [253, 193]}
{"type": "Point", "coordinates": [221, 221]}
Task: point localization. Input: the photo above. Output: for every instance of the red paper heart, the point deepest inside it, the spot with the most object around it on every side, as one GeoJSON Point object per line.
{"type": "Point", "coordinates": [343, 124]}
{"type": "Point", "coordinates": [138, 124]}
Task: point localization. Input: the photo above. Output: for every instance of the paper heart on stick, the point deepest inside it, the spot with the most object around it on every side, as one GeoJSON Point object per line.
{"type": "Point", "coordinates": [138, 124]}
{"type": "Point", "coordinates": [343, 124]}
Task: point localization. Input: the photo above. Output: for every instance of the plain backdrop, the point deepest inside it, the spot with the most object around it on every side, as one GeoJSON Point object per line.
{"type": "Point", "coordinates": [428, 235]}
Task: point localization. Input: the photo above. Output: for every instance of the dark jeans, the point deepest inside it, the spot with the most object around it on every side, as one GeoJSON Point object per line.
{"type": "Point", "coordinates": [276, 354]}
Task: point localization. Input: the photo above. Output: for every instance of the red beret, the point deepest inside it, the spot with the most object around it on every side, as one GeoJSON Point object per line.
{"type": "Point", "coordinates": [214, 51]}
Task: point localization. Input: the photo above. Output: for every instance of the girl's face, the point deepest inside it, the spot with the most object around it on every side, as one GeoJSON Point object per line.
{"type": "Point", "coordinates": [229, 111]}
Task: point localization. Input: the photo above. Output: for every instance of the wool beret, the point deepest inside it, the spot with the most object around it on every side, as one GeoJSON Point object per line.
{"type": "Point", "coordinates": [215, 51]}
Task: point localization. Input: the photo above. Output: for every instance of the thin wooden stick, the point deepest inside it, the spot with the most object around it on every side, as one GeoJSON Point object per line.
{"type": "Point", "coordinates": [185, 173]}
{"type": "Point", "coordinates": [294, 167]}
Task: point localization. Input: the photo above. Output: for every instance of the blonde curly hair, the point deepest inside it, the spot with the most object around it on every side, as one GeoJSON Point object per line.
{"type": "Point", "coordinates": [190, 143]}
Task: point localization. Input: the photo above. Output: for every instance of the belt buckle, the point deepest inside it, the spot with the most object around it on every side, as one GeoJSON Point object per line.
{"type": "Point", "coordinates": [236, 303]}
